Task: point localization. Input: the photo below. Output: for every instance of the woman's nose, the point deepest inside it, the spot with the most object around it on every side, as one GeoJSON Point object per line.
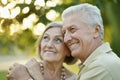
{"type": "Point", "coordinates": [49, 44]}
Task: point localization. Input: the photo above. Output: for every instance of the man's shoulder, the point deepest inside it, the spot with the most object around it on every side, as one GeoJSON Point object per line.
{"type": "Point", "coordinates": [109, 58]}
{"type": "Point", "coordinates": [108, 61]}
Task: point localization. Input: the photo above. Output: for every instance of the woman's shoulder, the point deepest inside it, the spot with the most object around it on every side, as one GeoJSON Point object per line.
{"type": "Point", "coordinates": [70, 75]}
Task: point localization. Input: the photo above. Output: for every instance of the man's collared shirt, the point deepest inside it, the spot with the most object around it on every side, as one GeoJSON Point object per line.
{"type": "Point", "coordinates": [102, 64]}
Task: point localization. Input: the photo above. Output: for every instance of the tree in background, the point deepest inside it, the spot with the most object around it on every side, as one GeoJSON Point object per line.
{"type": "Point", "coordinates": [22, 21]}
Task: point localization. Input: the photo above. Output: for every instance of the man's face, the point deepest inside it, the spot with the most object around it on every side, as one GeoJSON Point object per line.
{"type": "Point", "coordinates": [78, 36]}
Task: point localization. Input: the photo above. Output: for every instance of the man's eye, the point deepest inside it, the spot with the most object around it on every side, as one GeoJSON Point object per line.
{"type": "Point", "coordinates": [72, 30]}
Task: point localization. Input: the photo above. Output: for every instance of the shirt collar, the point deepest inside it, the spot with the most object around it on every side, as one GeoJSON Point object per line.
{"type": "Point", "coordinates": [105, 47]}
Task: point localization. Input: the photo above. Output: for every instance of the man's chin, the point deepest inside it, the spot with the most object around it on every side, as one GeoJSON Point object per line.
{"type": "Point", "coordinates": [74, 54]}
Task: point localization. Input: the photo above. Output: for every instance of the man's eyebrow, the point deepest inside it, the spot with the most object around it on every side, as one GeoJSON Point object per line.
{"type": "Point", "coordinates": [67, 27]}
{"type": "Point", "coordinates": [73, 25]}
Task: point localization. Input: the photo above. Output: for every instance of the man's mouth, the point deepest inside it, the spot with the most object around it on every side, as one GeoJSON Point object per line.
{"type": "Point", "coordinates": [72, 45]}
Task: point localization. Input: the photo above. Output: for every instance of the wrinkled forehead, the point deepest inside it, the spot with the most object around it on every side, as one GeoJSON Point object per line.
{"type": "Point", "coordinates": [54, 31]}
{"type": "Point", "coordinates": [72, 20]}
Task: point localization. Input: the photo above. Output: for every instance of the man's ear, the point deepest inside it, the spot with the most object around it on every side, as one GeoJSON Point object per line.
{"type": "Point", "coordinates": [97, 30]}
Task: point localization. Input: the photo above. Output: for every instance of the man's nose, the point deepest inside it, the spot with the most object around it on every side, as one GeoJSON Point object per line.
{"type": "Point", "coordinates": [67, 37]}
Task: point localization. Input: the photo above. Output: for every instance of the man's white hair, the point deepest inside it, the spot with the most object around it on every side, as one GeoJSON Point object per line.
{"type": "Point", "coordinates": [90, 15]}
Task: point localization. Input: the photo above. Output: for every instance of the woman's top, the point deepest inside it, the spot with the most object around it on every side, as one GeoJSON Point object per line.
{"type": "Point", "coordinates": [73, 77]}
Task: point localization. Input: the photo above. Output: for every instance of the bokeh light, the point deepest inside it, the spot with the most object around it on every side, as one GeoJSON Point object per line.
{"type": "Point", "coordinates": [39, 28]}
{"type": "Point", "coordinates": [52, 15]}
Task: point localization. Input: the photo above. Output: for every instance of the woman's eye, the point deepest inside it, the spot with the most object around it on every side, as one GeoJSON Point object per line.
{"type": "Point", "coordinates": [59, 40]}
{"type": "Point", "coordinates": [45, 38]}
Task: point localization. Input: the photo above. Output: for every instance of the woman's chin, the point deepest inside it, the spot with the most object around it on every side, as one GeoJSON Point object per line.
{"type": "Point", "coordinates": [49, 59]}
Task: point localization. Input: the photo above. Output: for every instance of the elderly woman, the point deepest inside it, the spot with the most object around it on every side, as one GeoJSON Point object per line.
{"type": "Point", "coordinates": [53, 54]}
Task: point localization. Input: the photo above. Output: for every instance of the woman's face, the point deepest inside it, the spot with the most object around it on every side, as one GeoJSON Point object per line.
{"type": "Point", "coordinates": [52, 45]}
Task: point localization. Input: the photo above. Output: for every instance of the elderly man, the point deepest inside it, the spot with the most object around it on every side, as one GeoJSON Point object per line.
{"type": "Point", "coordinates": [83, 34]}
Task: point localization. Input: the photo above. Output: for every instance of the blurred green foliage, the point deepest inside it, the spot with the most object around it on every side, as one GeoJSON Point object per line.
{"type": "Point", "coordinates": [3, 75]}
{"type": "Point", "coordinates": [25, 39]}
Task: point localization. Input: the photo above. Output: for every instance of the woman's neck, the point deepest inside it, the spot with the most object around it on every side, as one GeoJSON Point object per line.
{"type": "Point", "coordinates": [53, 71]}
{"type": "Point", "coordinates": [53, 68]}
